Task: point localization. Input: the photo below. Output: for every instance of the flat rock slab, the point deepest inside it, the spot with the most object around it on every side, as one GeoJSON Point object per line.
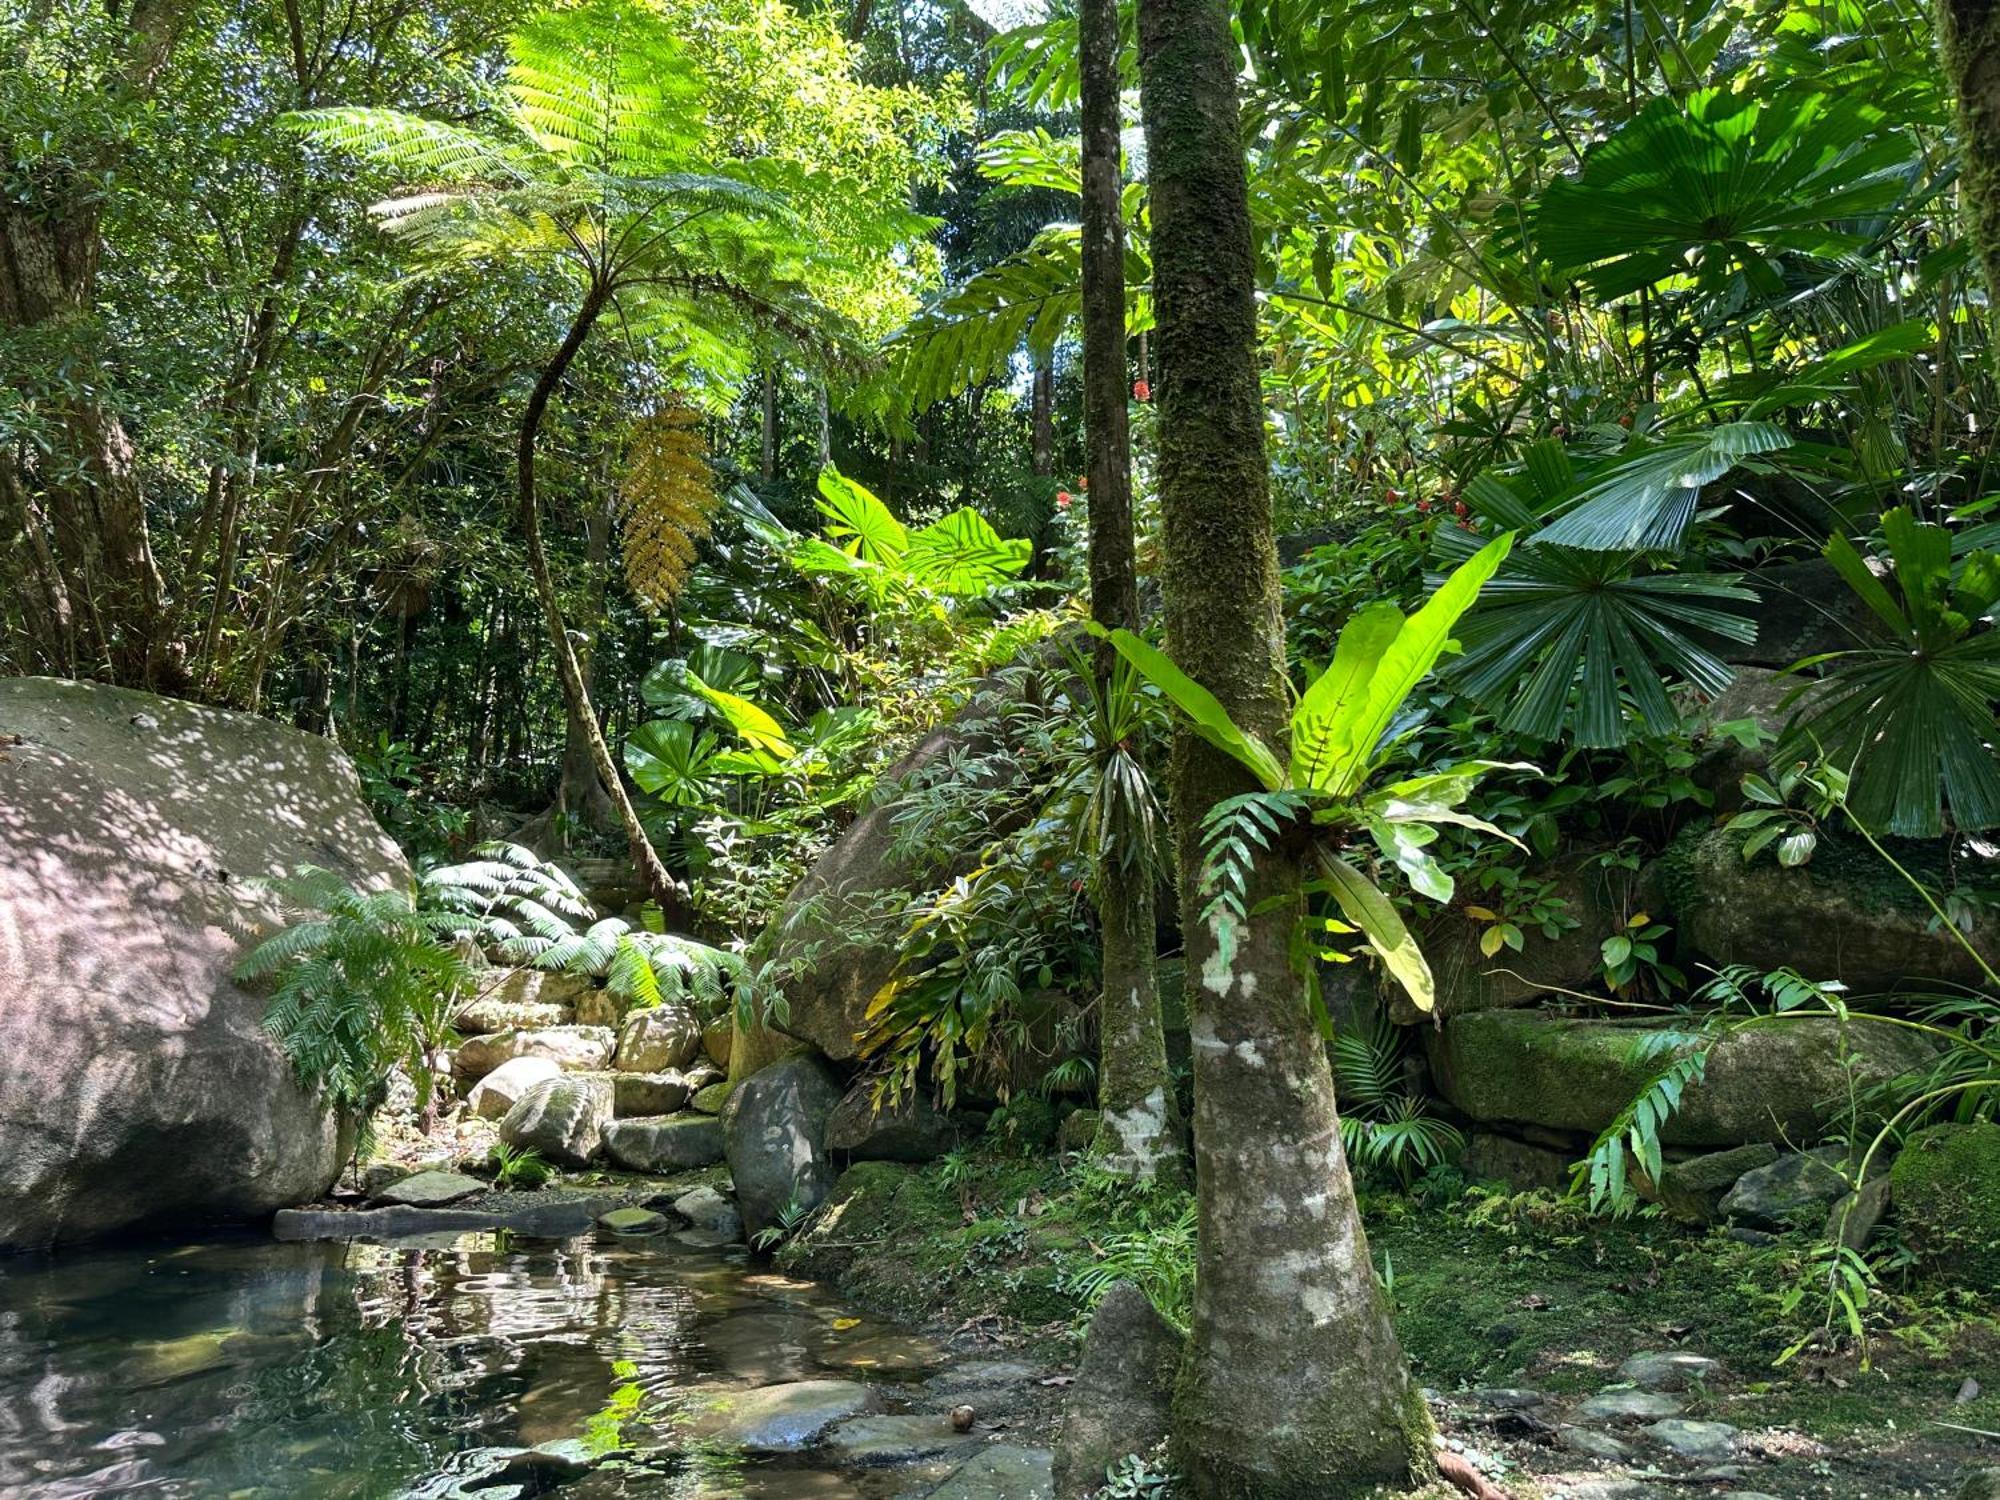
{"type": "Point", "coordinates": [1006, 1471]}
{"type": "Point", "coordinates": [782, 1418]}
{"type": "Point", "coordinates": [668, 1143]}
{"type": "Point", "coordinates": [1669, 1370]}
{"type": "Point", "coordinates": [1628, 1406]}
{"type": "Point", "coordinates": [1593, 1444]}
{"type": "Point", "coordinates": [640, 1095]}
{"type": "Point", "coordinates": [877, 1442]}
{"type": "Point", "coordinates": [905, 1354]}
{"type": "Point", "coordinates": [553, 1219]}
{"type": "Point", "coordinates": [431, 1190]}
{"type": "Point", "coordinates": [1699, 1442]}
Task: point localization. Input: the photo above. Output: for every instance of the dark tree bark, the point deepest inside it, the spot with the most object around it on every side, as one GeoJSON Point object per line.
{"type": "Point", "coordinates": [579, 794]}
{"type": "Point", "coordinates": [1969, 39]}
{"type": "Point", "coordinates": [1041, 416]}
{"type": "Point", "coordinates": [671, 896]}
{"type": "Point", "coordinates": [767, 458]}
{"type": "Point", "coordinates": [1295, 1384]}
{"type": "Point", "coordinates": [1140, 1130]}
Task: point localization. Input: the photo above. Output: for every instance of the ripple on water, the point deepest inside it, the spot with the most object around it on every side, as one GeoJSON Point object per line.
{"type": "Point", "coordinates": [249, 1368]}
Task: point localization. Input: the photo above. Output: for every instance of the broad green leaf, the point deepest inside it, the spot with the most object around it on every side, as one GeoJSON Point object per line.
{"type": "Point", "coordinates": [757, 728]}
{"type": "Point", "coordinates": [1320, 722]}
{"type": "Point", "coordinates": [1205, 715]}
{"type": "Point", "coordinates": [858, 521]}
{"type": "Point", "coordinates": [1371, 911]}
{"type": "Point", "coordinates": [961, 554]}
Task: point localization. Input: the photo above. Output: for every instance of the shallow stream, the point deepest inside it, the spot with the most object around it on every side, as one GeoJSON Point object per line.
{"type": "Point", "coordinates": [248, 1368]}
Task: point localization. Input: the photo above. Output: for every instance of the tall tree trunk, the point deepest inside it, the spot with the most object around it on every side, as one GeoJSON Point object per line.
{"type": "Point", "coordinates": [1295, 1385]}
{"type": "Point", "coordinates": [579, 795]}
{"type": "Point", "coordinates": [1969, 39]}
{"type": "Point", "coordinates": [825, 426]}
{"type": "Point", "coordinates": [1042, 416]}
{"type": "Point", "coordinates": [1140, 1130]}
{"type": "Point", "coordinates": [767, 458]}
{"type": "Point", "coordinates": [671, 896]}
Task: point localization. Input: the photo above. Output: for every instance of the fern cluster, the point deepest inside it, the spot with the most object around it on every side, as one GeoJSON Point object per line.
{"type": "Point", "coordinates": [665, 505]}
{"type": "Point", "coordinates": [364, 981]}
{"type": "Point", "coordinates": [1383, 1122]}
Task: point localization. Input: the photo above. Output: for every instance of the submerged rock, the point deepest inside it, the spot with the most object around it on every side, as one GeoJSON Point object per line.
{"type": "Point", "coordinates": [634, 1221]}
{"type": "Point", "coordinates": [562, 1118]}
{"type": "Point", "coordinates": [905, 1438]}
{"type": "Point", "coordinates": [708, 1211]}
{"type": "Point", "coordinates": [1121, 1398]}
{"type": "Point", "coordinates": [774, 1132]}
{"type": "Point", "coordinates": [137, 1082]}
{"type": "Point", "coordinates": [781, 1418]}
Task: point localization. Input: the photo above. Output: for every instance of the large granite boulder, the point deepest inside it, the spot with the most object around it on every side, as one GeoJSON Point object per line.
{"type": "Point", "coordinates": [562, 1119]}
{"type": "Point", "coordinates": [774, 1132]}
{"type": "Point", "coordinates": [1779, 1083]}
{"type": "Point", "coordinates": [832, 959]}
{"type": "Point", "coordinates": [1845, 916]}
{"type": "Point", "coordinates": [1803, 608]}
{"type": "Point", "coordinates": [138, 1085]}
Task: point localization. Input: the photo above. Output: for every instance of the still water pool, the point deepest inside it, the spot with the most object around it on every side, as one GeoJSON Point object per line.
{"type": "Point", "coordinates": [248, 1368]}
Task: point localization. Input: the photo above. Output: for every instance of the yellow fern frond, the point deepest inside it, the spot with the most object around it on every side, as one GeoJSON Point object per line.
{"type": "Point", "coordinates": [666, 502]}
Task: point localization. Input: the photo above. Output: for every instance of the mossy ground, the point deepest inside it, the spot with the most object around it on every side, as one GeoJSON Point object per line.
{"type": "Point", "coordinates": [1489, 1290]}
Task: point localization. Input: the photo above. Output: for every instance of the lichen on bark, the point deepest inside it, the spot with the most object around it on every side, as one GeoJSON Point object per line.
{"type": "Point", "coordinates": [1969, 42]}
{"type": "Point", "coordinates": [1295, 1384]}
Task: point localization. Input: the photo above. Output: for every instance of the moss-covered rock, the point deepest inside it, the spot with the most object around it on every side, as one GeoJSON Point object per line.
{"type": "Point", "coordinates": [873, 1203]}
{"type": "Point", "coordinates": [1847, 915]}
{"type": "Point", "coordinates": [1946, 1186]}
{"type": "Point", "coordinates": [1783, 1082]}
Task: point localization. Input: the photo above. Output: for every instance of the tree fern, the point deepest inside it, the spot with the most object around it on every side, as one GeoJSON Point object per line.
{"type": "Point", "coordinates": [665, 503]}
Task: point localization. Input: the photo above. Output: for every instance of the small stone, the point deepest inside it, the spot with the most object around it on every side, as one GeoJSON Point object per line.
{"type": "Point", "coordinates": [962, 1418]}
{"type": "Point", "coordinates": [710, 1097]}
{"type": "Point", "coordinates": [1593, 1444]}
{"type": "Point", "coordinates": [1853, 1219]}
{"type": "Point", "coordinates": [432, 1190]}
{"type": "Point", "coordinates": [1628, 1406]}
{"type": "Point", "coordinates": [1968, 1391]}
{"type": "Point", "coordinates": [1792, 1191]}
{"type": "Point", "coordinates": [1698, 1442]}
{"type": "Point", "coordinates": [632, 1221]}
{"type": "Point", "coordinates": [1669, 1370]}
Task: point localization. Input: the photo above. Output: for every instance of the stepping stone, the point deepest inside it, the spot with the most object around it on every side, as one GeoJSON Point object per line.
{"type": "Point", "coordinates": [1501, 1398]}
{"type": "Point", "coordinates": [1593, 1444]}
{"type": "Point", "coordinates": [670, 1143]}
{"type": "Point", "coordinates": [1669, 1370]}
{"type": "Point", "coordinates": [1628, 1406]}
{"type": "Point", "coordinates": [876, 1442]}
{"type": "Point", "coordinates": [1006, 1471]}
{"type": "Point", "coordinates": [431, 1190]}
{"type": "Point", "coordinates": [633, 1221]}
{"type": "Point", "coordinates": [782, 1418]}
{"type": "Point", "coordinates": [1699, 1442]}
{"type": "Point", "coordinates": [710, 1212]}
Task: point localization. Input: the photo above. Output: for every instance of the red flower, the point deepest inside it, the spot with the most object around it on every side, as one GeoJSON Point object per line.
{"type": "Point", "coordinates": [1084, 483]}
{"type": "Point", "coordinates": [1458, 507]}
{"type": "Point", "coordinates": [1424, 505]}
{"type": "Point", "coordinates": [1626, 420]}
{"type": "Point", "coordinates": [1142, 390]}
{"type": "Point", "coordinates": [1062, 499]}
{"type": "Point", "coordinates": [1393, 496]}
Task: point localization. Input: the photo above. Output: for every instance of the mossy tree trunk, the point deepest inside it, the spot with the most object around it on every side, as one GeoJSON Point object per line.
{"type": "Point", "coordinates": [1969, 39]}
{"type": "Point", "coordinates": [1140, 1133]}
{"type": "Point", "coordinates": [1295, 1384]}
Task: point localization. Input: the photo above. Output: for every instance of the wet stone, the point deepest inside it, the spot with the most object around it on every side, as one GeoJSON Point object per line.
{"type": "Point", "coordinates": [1006, 1471]}
{"type": "Point", "coordinates": [633, 1221]}
{"type": "Point", "coordinates": [1699, 1442]}
{"type": "Point", "coordinates": [876, 1442]}
{"type": "Point", "coordinates": [1669, 1370]}
{"type": "Point", "coordinates": [782, 1418]}
{"type": "Point", "coordinates": [1628, 1406]}
{"type": "Point", "coordinates": [431, 1190]}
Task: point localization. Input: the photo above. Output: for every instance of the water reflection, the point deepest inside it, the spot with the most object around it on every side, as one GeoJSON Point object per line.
{"type": "Point", "coordinates": [251, 1368]}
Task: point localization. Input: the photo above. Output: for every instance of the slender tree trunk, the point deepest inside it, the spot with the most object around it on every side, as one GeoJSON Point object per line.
{"type": "Point", "coordinates": [1140, 1130]}
{"type": "Point", "coordinates": [825, 426]}
{"type": "Point", "coordinates": [578, 792]}
{"type": "Point", "coordinates": [1969, 39]}
{"type": "Point", "coordinates": [1042, 416]}
{"type": "Point", "coordinates": [671, 896]}
{"type": "Point", "coordinates": [1295, 1385]}
{"type": "Point", "coordinates": [767, 458]}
